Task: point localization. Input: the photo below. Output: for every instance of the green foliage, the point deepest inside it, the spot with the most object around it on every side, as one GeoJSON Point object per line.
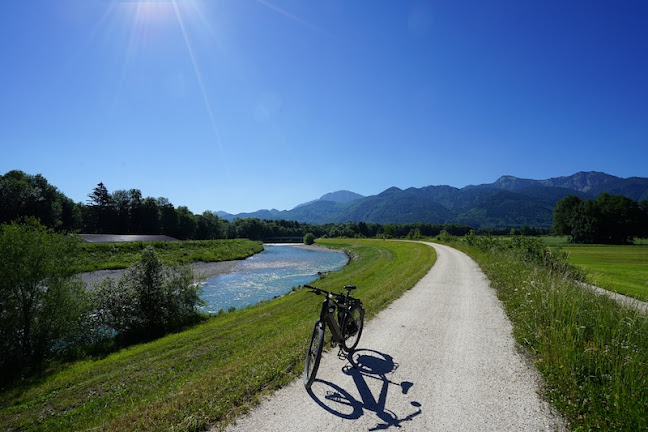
{"type": "Point", "coordinates": [445, 237]}
{"type": "Point", "coordinates": [41, 305]}
{"type": "Point", "coordinates": [309, 238]}
{"type": "Point", "coordinates": [209, 227]}
{"type": "Point", "coordinates": [528, 249]}
{"type": "Point", "coordinates": [24, 195]}
{"type": "Point", "coordinates": [414, 234]}
{"type": "Point", "coordinates": [389, 231]}
{"type": "Point", "coordinates": [149, 299]}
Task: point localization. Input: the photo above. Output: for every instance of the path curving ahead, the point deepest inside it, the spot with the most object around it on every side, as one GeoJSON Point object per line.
{"type": "Point", "coordinates": [440, 358]}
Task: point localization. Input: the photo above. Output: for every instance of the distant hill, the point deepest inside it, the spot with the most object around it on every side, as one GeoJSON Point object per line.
{"type": "Point", "coordinates": [509, 202]}
{"type": "Point", "coordinates": [581, 182]}
{"type": "Point", "coordinates": [318, 211]}
{"type": "Point", "coordinates": [342, 196]}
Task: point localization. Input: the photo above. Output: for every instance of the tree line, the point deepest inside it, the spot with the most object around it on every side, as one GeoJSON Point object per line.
{"type": "Point", "coordinates": [129, 212]}
{"type": "Point", "coordinates": [609, 219]}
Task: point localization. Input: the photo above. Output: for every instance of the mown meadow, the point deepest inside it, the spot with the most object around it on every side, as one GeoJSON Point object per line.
{"type": "Point", "coordinates": [623, 269]}
{"type": "Point", "coordinates": [214, 371]}
{"type": "Point", "coordinates": [591, 351]}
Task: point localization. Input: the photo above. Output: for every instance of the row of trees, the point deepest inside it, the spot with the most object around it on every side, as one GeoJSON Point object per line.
{"type": "Point", "coordinates": [119, 212]}
{"type": "Point", "coordinates": [129, 212]}
{"type": "Point", "coordinates": [609, 219]}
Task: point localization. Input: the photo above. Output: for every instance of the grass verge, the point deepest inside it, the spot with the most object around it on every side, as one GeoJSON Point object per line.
{"type": "Point", "coordinates": [107, 256]}
{"type": "Point", "coordinates": [214, 371]}
{"type": "Point", "coordinates": [592, 352]}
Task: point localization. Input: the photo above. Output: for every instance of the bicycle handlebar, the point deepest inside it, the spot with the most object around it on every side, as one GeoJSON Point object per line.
{"type": "Point", "coordinates": [319, 291]}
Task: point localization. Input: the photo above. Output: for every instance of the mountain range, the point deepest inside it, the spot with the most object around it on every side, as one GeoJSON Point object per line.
{"type": "Point", "coordinates": [509, 202]}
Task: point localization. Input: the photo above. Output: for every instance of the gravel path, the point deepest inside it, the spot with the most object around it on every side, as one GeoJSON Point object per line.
{"type": "Point", "coordinates": [441, 358]}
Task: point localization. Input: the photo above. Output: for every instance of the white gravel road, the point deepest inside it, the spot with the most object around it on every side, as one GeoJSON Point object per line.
{"type": "Point", "coordinates": [441, 358]}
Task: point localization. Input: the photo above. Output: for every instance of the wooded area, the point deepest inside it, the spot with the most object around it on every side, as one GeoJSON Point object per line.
{"type": "Point", "coordinates": [609, 219]}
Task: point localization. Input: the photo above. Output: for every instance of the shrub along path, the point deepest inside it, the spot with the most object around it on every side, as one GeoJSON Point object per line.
{"type": "Point", "coordinates": [442, 357]}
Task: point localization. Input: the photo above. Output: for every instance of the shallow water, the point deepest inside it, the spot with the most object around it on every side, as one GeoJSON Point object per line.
{"type": "Point", "coordinates": [268, 274]}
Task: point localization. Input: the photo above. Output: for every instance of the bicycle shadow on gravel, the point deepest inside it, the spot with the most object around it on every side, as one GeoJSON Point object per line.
{"type": "Point", "coordinates": [364, 365]}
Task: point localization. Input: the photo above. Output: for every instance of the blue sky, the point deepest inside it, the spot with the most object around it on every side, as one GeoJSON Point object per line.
{"type": "Point", "coordinates": [239, 105]}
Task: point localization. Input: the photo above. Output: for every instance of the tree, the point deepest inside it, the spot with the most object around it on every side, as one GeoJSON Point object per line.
{"type": "Point", "coordinates": [71, 215]}
{"type": "Point", "coordinates": [122, 202]}
{"type": "Point", "coordinates": [41, 304]}
{"type": "Point", "coordinates": [562, 214]}
{"type": "Point", "coordinates": [309, 238]}
{"type": "Point", "coordinates": [23, 195]}
{"type": "Point", "coordinates": [135, 205]}
{"type": "Point", "coordinates": [585, 222]}
{"type": "Point", "coordinates": [101, 210]}
{"type": "Point", "coordinates": [252, 228]}
{"type": "Point", "coordinates": [149, 299]}
{"type": "Point", "coordinates": [363, 229]}
{"type": "Point", "coordinates": [389, 230]}
{"type": "Point", "coordinates": [414, 234]}
{"type": "Point", "coordinates": [620, 219]}
{"type": "Point", "coordinates": [208, 226]}
{"type": "Point", "coordinates": [150, 213]}
{"type": "Point", "coordinates": [168, 219]}
{"type": "Point", "coordinates": [610, 219]}
{"type": "Point", "coordinates": [186, 223]}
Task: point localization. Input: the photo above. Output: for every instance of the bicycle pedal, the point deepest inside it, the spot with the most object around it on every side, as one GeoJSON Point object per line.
{"type": "Point", "coordinates": [333, 344]}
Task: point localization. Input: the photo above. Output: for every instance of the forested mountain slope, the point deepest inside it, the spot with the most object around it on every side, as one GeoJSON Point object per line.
{"type": "Point", "coordinates": [507, 202]}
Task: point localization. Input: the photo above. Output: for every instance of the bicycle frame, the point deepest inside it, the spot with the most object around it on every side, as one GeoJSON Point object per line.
{"type": "Point", "coordinates": [327, 316]}
{"type": "Point", "coordinates": [332, 303]}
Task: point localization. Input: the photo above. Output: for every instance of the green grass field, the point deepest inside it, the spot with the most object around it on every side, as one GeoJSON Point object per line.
{"type": "Point", "coordinates": [623, 269]}
{"type": "Point", "coordinates": [106, 256]}
{"type": "Point", "coordinates": [214, 371]}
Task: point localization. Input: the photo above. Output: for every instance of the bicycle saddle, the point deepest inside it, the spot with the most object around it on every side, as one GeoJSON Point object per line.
{"type": "Point", "coordinates": [349, 287]}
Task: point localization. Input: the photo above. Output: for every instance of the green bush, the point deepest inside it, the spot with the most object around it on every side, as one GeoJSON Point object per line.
{"type": "Point", "coordinates": [149, 299]}
{"type": "Point", "coordinates": [309, 239]}
{"type": "Point", "coordinates": [41, 304]}
{"type": "Point", "coordinates": [445, 237]}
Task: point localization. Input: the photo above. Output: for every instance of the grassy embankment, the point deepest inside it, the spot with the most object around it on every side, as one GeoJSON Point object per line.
{"type": "Point", "coordinates": [622, 269]}
{"type": "Point", "coordinates": [105, 256]}
{"type": "Point", "coordinates": [214, 371]}
{"type": "Point", "coordinates": [592, 352]}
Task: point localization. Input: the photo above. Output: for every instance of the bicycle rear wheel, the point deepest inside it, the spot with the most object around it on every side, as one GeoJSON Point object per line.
{"type": "Point", "coordinates": [314, 354]}
{"type": "Point", "coordinates": [352, 325]}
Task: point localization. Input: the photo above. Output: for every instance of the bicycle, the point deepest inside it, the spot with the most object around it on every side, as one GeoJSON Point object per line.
{"type": "Point", "coordinates": [346, 327]}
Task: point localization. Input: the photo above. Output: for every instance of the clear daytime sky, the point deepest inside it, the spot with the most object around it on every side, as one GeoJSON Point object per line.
{"type": "Point", "coordinates": [240, 105]}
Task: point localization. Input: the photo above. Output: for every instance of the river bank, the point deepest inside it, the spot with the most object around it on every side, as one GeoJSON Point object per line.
{"type": "Point", "coordinates": [203, 269]}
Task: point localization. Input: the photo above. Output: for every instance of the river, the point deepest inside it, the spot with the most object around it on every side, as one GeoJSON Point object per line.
{"type": "Point", "coordinates": [268, 274]}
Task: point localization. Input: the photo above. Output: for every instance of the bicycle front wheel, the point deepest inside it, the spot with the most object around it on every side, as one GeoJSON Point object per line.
{"type": "Point", "coordinates": [314, 354]}
{"type": "Point", "coordinates": [352, 325]}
